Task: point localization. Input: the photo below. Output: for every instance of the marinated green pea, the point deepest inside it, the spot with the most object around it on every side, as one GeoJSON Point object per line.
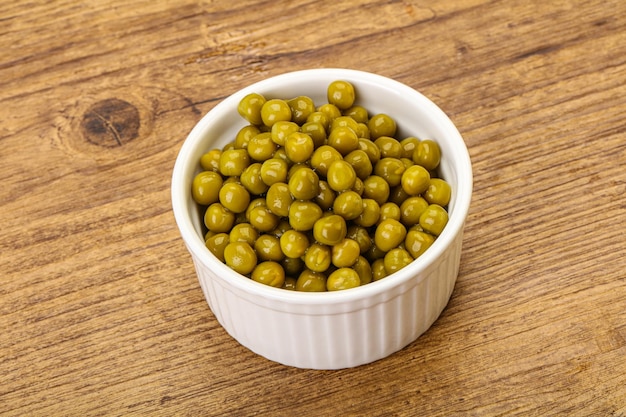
{"type": "Point", "coordinates": [281, 129]}
{"type": "Point", "coordinates": [274, 170]}
{"type": "Point", "coordinates": [233, 162]}
{"type": "Point", "coordinates": [360, 163]}
{"type": "Point", "coordinates": [340, 176]}
{"type": "Point", "coordinates": [370, 214]}
{"type": "Point", "coordinates": [358, 186]}
{"type": "Point", "coordinates": [278, 199]}
{"type": "Point", "coordinates": [343, 279]}
{"type": "Point", "coordinates": [362, 131]}
{"type": "Point", "coordinates": [299, 147]}
{"type": "Point", "coordinates": [434, 219]}
{"type": "Point", "coordinates": [398, 195]}
{"type": "Point", "coordinates": [292, 266]}
{"type": "Point", "coordinates": [415, 180]}
{"type": "Point", "coordinates": [321, 118]}
{"type": "Point", "coordinates": [391, 169]}
{"type": "Point", "coordinates": [282, 155]}
{"type": "Point", "coordinates": [411, 209]}
{"type": "Point", "coordinates": [427, 154]}
{"type": "Point", "coordinates": [244, 135]}
{"type": "Point", "coordinates": [358, 113]}
{"type": "Point", "coordinates": [343, 139]}
{"type": "Point", "coordinates": [389, 234]}
{"type": "Point", "coordinates": [289, 284]}
{"type": "Point", "coordinates": [389, 210]}
{"type": "Point", "coordinates": [330, 230]}
{"type": "Point", "coordinates": [268, 248]}
{"type": "Point", "coordinates": [303, 215]}
{"type": "Point", "coordinates": [275, 110]}
{"type": "Point", "coordinates": [378, 269]}
{"type": "Point", "coordinates": [261, 147]}
{"type": "Point", "coordinates": [311, 281]}
{"type": "Point", "coordinates": [259, 201]}
{"type": "Point", "coordinates": [318, 257]}
{"type": "Point", "coordinates": [376, 188]}
{"type": "Point", "coordinates": [325, 197]}
{"type": "Point", "coordinates": [269, 273]}
{"type": "Point", "coordinates": [345, 253]}
{"type": "Point", "coordinates": [381, 125]}
{"type": "Point", "coordinates": [234, 197]}
{"type": "Point", "coordinates": [229, 146]}
{"type": "Point", "coordinates": [330, 110]}
{"type": "Point", "coordinates": [438, 192]}
{"type": "Point", "coordinates": [217, 243]}
{"type": "Point", "coordinates": [341, 94]}
{"type": "Point", "coordinates": [348, 205]}
{"type": "Point", "coordinates": [389, 147]}
{"type": "Point", "coordinates": [304, 184]}
{"type": "Point", "coordinates": [243, 232]}
{"type": "Point", "coordinates": [294, 244]}
{"type": "Point", "coordinates": [263, 219]}
{"type": "Point", "coordinates": [210, 161]}
{"type": "Point", "coordinates": [417, 242]}
{"type": "Point", "coordinates": [322, 158]}
{"type": "Point", "coordinates": [361, 236]}
{"type": "Point", "coordinates": [240, 257]}
{"type": "Point", "coordinates": [370, 149]}
{"type": "Point", "coordinates": [396, 259]}
{"type": "Point", "coordinates": [205, 187]}
{"type": "Point", "coordinates": [407, 163]}
{"type": "Point", "coordinates": [250, 108]}
{"type": "Point", "coordinates": [317, 132]}
{"type": "Point", "coordinates": [251, 179]}
{"type": "Point", "coordinates": [344, 121]}
{"type": "Point", "coordinates": [218, 219]}
{"type": "Point", "coordinates": [301, 107]}
{"type": "Point", "coordinates": [363, 269]}
{"type": "Point", "coordinates": [409, 145]}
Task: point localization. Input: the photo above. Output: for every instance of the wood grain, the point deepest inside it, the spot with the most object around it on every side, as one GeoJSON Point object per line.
{"type": "Point", "coordinates": [100, 310]}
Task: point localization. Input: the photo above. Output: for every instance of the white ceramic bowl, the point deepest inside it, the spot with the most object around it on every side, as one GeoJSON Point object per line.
{"type": "Point", "coordinates": [344, 328]}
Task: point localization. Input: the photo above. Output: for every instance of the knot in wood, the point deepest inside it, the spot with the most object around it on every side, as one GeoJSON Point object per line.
{"type": "Point", "coordinates": [110, 123]}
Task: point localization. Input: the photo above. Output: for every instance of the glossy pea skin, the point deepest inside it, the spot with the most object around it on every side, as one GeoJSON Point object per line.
{"type": "Point", "coordinates": [348, 205]}
{"type": "Point", "coordinates": [250, 106]}
{"type": "Point", "coordinates": [261, 147]}
{"type": "Point", "coordinates": [325, 197]}
{"type": "Point", "coordinates": [427, 154]}
{"type": "Point", "coordinates": [218, 219]}
{"type": "Point", "coordinates": [217, 243]}
{"type": "Point", "coordinates": [330, 230]}
{"type": "Point", "coordinates": [267, 248]}
{"type": "Point", "coordinates": [344, 121]}
{"type": "Point", "coordinates": [330, 110]}
{"type": "Point", "coordinates": [278, 199]}
{"type": "Point", "coordinates": [381, 125]}
{"type": "Point", "coordinates": [322, 157]}
{"type": "Point", "coordinates": [292, 266]}
{"type": "Point", "coordinates": [317, 132]}
{"type": "Point", "coordinates": [341, 94]}
{"type": "Point", "coordinates": [340, 176]}
{"type": "Point", "coordinates": [438, 192]}
{"type": "Point", "coordinates": [299, 147]}
{"type": "Point", "coordinates": [304, 184]}
{"type": "Point", "coordinates": [244, 135]}
{"type": "Point", "coordinates": [389, 234]}
{"type": "Point", "coordinates": [360, 162]}
{"type": "Point", "coordinates": [233, 162]}
{"type": "Point", "coordinates": [343, 279]}
{"type": "Point", "coordinates": [358, 113]}
{"type": "Point", "coordinates": [281, 130]}
{"type": "Point", "coordinates": [311, 281]}
{"type": "Point", "coordinates": [389, 147]}
{"type": "Point", "coordinates": [275, 110]}
{"type": "Point", "coordinates": [409, 145]}
{"type": "Point", "coordinates": [289, 284]}
{"type": "Point", "coordinates": [389, 210]}
{"type": "Point", "coordinates": [240, 257]}
{"type": "Point", "coordinates": [417, 242]}
{"type": "Point", "coordinates": [263, 219]}
{"type": "Point", "coordinates": [411, 210]}
{"type": "Point", "coordinates": [274, 170]}
{"type": "Point", "coordinates": [415, 180]}
{"type": "Point", "coordinates": [234, 197]}
{"type": "Point", "coordinates": [294, 243]}
{"type": "Point", "coordinates": [301, 107]}
{"type": "Point", "coordinates": [243, 232]}
{"type": "Point", "coordinates": [391, 169]}
{"type": "Point", "coordinates": [252, 181]}
{"type": "Point", "coordinates": [345, 253]}
{"type": "Point", "coordinates": [378, 269]}
{"type": "Point", "coordinates": [321, 118]}
{"type": "Point", "coordinates": [205, 187]}
{"type": "Point", "coordinates": [396, 259]}
{"type": "Point", "coordinates": [370, 213]}
{"type": "Point", "coordinates": [434, 219]}
{"type": "Point", "coordinates": [269, 273]}
{"type": "Point", "coordinates": [370, 149]}
{"type": "Point", "coordinates": [363, 269]}
{"type": "Point", "coordinates": [361, 236]}
{"type": "Point", "coordinates": [376, 188]}
{"type": "Point", "coordinates": [210, 161]}
{"type": "Point", "coordinates": [303, 215]}
{"type": "Point", "coordinates": [318, 257]}
{"type": "Point", "coordinates": [344, 139]}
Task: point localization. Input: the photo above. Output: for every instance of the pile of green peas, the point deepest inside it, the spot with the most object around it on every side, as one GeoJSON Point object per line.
{"type": "Point", "coordinates": [320, 198]}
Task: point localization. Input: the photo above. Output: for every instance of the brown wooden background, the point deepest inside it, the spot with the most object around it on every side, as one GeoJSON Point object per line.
{"type": "Point", "coordinates": [100, 310]}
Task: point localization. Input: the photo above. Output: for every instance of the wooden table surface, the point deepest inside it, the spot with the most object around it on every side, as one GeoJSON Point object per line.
{"type": "Point", "coordinates": [100, 310]}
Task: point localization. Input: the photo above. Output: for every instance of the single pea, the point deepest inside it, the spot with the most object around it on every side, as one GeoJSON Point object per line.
{"type": "Point", "coordinates": [409, 144]}
{"type": "Point", "coordinates": [281, 129]}
{"type": "Point", "coordinates": [317, 132]}
{"type": "Point", "coordinates": [396, 259]}
{"type": "Point", "coordinates": [376, 188]}
{"type": "Point", "coordinates": [427, 154]}
{"type": "Point", "coordinates": [344, 139]}
{"type": "Point", "coordinates": [282, 155]}
{"type": "Point", "coordinates": [263, 219]}
{"type": "Point", "coordinates": [210, 161]}
{"type": "Point", "coordinates": [330, 110]}
{"type": "Point", "coordinates": [274, 110]}
{"type": "Point", "coordinates": [243, 232]}
{"type": "Point", "coordinates": [361, 236]}
{"type": "Point", "coordinates": [369, 215]}
{"type": "Point", "coordinates": [330, 230]}
{"type": "Point", "coordinates": [340, 175]}
{"type": "Point", "coordinates": [318, 257]}
{"type": "Point", "coordinates": [234, 197]}
{"type": "Point", "coordinates": [311, 281]}
{"type": "Point", "coordinates": [434, 219]}
{"type": "Point", "coordinates": [251, 179]}
{"type": "Point", "coordinates": [358, 113]}
{"type": "Point", "coordinates": [345, 253]}
{"type": "Point", "coordinates": [299, 147]}
{"type": "Point", "coordinates": [233, 162]}
{"type": "Point", "coordinates": [341, 94]}
{"type": "Point", "coordinates": [289, 284]}
{"type": "Point", "coordinates": [303, 215]}
{"type": "Point", "coordinates": [250, 106]}
{"type": "Point", "coordinates": [389, 210]}
{"type": "Point", "coordinates": [269, 273]}
{"type": "Point", "coordinates": [389, 234]}
{"type": "Point", "coordinates": [411, 209]}
{"type": "Point", "coordinates": [244, 135]}
{"type": "Point", "coordinates": [292, 266]}
{"type": "Point", "coordinates": [267, 248]}
{"type": "Point", "coordinates": [322, 157]}
{"type": "Point", "coordinates": [229, 146]}
{"type": "Point", "coordinates": [378, 269]}
{"type": "Point", "coordinates": [205, 187]}
{"type": "Point", "coordinates": [415, 180]}
{"type": "Point", "coordinates": [325, 197]}
{"type": "Point", "coordinates": [240, 257]}
{"type": "Point", "coordinates": [261, 147]}
{"type": "Point", "coordinates": [217, 243]}
{"type": "Point", "coordinates": [344, 121]}
{"type": "Point", "coordinates": [391, 169]}
{"type": "Point", "coordinates": [343, 279]}
{"type": "Point", "coordinates": [362, 131]}
{"type": "Point", "coordinates": [218, 219]}
{"type": "Point", "coordinates": [321, 118]}
{"type": "Point", "coordinates": [304, 184]}
{"type": "Point", "coordinates": [381, 125]}
{"type": "Point", "coordinates": [389, 147]}
{"type": "Point", "coordinates": [348, 205]}
{"type": "Point", "coordinates": [278, 199]}
{"type": "Point", "coordinates": [363, 269]}
{"type": "Point", "coordinates": [438, 192]}
{"type": "Point", "coordinates": [294, 243]}
{"type": "Point", "coordinates": [360, 163]}
{"type": "Point", "coordinates": [256, 202]}
{"type": "Point", "coordinates": [407, 163]}
{"type": "Point", "coordinates": [274, 170]}
{"type": "Point", "coordinates": [417, 242]}
{"type": "Point", "coordinates": [370, 149]}
{"type": "Point", "coordinates": [398, 195]}
{"type": "Point", "coordinates": [301, 107]}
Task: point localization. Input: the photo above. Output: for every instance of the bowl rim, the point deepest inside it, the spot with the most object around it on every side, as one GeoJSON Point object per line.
{"type": "Point", "coordinates": [195, 244]}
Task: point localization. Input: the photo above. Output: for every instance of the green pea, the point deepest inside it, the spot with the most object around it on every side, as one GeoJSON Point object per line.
{"type": "Point", "coordinates": [322, 158]}
{"type": "Point", "coordinates": [369, 215]}
{"type": "Point", "coordinates": [417, 242]}
{"type": "Point", "coordinates": [376, 188]}
{"type": "Point", "coordinates": [243, 232]}
{"type": "Point", "coordinates": [244, 135]}
{"type": "Point", "coordinates": [415, 180]}
{"type": "Point", "coordinates": [250, 108]}
{"type": "Point", "coordinates": [311, 281]}
{"type": "Point", "coordinates": [217, 243]}
{"type": "Point", "coordinates": [233, 162]}
{"type": "Point", "coordinates": [341, 94]}
{"type": "Point", "coordinates": [240, 257]}
{"type": "Point", "coordinates": [303, 215]}
{"type": "Point", "coordinates": [304, 184]}
{"type": "Point", "coordinates": [278, 199]}
{"type": "Point", "coordinates": [348, 205]}
{"type": "Point", "coordinates": [205, 187]}
{"type": "Point", "coordinates": [274, 170]}
{"type": "Point", "coordinates": [391, 169]}
{"type": "Point", "coordinates": [218, 219]}
{"type": "Point", "coordinates": [378, 269]}
{"type": "Point", "coordinates": [318, 257]}
{"type": "Point", "coordinates": [411, 210]}
{"type": "Point", "coordinates": [281, 129]}
{"type": "Point", "coordinates": [345, 253]}
{"type": "Point", "coordinates": [325, 197]}
{"type": "Point", "coordinates": [261, 147]}
{"type": "Point", "coordinates": [343, 279]}
{"type": "Point", "coordinates": [267, 248]}
{"type": "Point", "coordinates": [358, 113]}
{"type": "Point", "coordinates": [275, 110]}
{"type": "Point", "coordinates": [434, 219]}
{"type": "Point", "coordinates": [360, 163]}
{"type": "Point", "coordinates": [396, 259]}
{"type": "Point", "coordinates": [210, 161]}
{"type": "Point", "coordinates": [317, 132]}
{"type": "Point", "coordinates": [389, 234]}
{"type": "Point", "coordinates": [299, 147]}
{"type": "Point", "coordinates": [363, 269]}
{"type": "Point", "coordinates": [269, 273]}
{"type": "Point", "coordinates": [251, 179]}
{"type": "Point", "coordinates": [330, 230]}
{"type": "Point", "coordinates": [427, 154]}
{"type": "Point", "coordinates": [263, 219]}
{"type": "Point", "coordinates": [234, 197]}
{"type": "Point", "coordinates": [438, 192]}
{"type": "Point", "coordinates": [389, 147]}
{"type": "Point", "coordinates": [344, 139]}
{"type": "Point", "coordinates": [340, 175]}
{"type": "Point", "coordinates": [381, 125]}
{"type": "Point", "coordinates": [301, 107]}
